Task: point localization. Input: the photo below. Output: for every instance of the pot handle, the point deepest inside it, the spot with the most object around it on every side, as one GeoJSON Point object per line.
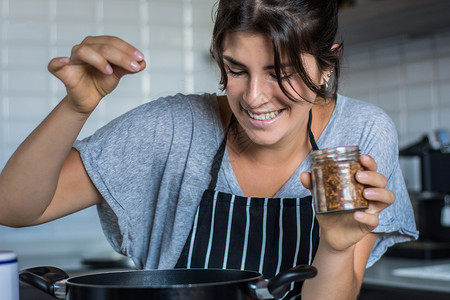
{"type": "Point", "coordinates": [48, 279]}
{"type": "Point", "coordinates": [277, 287]}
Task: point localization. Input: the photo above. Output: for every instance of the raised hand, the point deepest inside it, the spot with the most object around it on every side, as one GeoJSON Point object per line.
{"type": "Point", "coordinates": [94, 69]}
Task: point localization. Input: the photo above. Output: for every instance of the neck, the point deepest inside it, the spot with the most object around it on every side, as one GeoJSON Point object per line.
{"type": "Point", "coordinates": [240, 146]}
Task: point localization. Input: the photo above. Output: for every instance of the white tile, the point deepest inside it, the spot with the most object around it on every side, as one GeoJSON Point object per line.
{"type": "Point", "coordinates": [443, 68]}
{"type": "Point", "coordinates": [418, 72]}
{"type": "Point", "coordinates": [418, 48]}
{"type": "Point", "coordinates": [444, 95]}
{"type": "Point", "coordinates": [129, 33]}
{"type": "Point", "coordinates": [163, 13]}
{"type": "Point", "coordinates": [419, 123]}
{"type": "Point", "coordinates": [20, 129]}
{"type": "Point", "coordinates": [75, 10]}
{"type": "Point", "coordinates": [80, 225]}
{"type": "Point", "coordinates": [390, 54]}
{"type": "Point", "coordinates": [30, 234]}
{"type": "Point", "coordinates": [418, 97]}
{"type": "Point", "coordinates": [28, 107]}
{"type": "Point", "coordinates": [6, 154]}
{"type": "Point", "coordinates": [356, 61]}
{"type": "Point", "coordinates": [388, 77]}
{"type": "Point", "coordinates": [389, 100]}
{"type": "Point", "coordinates": [27, 82]}
{"type": "Point", "coordinates": [202, 13]}
{"type": "Point", "coordinates": [28, 32]}
{"type": "Point", "coordinates": [444, 118]}
{"type": "Point", "coordinates": [443, 42]}
{"type": "Point", "coordinates": [129, 85]}
{"type": "Point", "coordinates": [396, 118]}
{"type": "Point", "coordinates": [206, 74]}
{"type": "Point", "coordinates": [202, 38]}
{"type": "Point", "coordinates": [28, 8]}
{"type": "Point", "coordinates": [72, 33]}
{"type": "Point", "coordinates": [168, 60]}
{"type": "Point", "coordinates": [166, 37]}
{"type": "Point", "coordinates": [166, 84]}
{"type": "Point", "coordinates": [121, 11]}
{"type": "Point", "coordinates": [29, 56]}
{"type": "Point", "coordinates": [362, 80]}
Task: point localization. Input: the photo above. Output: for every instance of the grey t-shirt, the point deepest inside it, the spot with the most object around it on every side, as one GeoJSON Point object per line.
{"type": "Point", "coordinates": [152, 165]}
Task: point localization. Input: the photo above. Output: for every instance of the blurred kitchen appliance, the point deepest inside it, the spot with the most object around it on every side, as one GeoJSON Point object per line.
{"type": "Point", "coordinates": [432, 202]}
{"type": "Point", "coordinates": [434, 153]}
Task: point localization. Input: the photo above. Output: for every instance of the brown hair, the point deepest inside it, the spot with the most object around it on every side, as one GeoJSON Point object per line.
{"type": "Point", "coordinates": [294, 26]}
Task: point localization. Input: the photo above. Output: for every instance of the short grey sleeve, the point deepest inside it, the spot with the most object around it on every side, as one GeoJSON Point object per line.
{"type": "Point", "coordinates": [374, 131]}
{"type": "Point", "coordinates": [123, 159]}
{"type": "Point", "coordinates": [396, 222]}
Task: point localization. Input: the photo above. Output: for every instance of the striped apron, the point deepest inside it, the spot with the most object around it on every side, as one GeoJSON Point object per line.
{"type": "Point", "coordinates": [266, 235]}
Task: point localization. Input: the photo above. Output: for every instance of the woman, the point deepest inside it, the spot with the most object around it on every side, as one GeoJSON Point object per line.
{"type": "Point", "coordinates": [220, 181]}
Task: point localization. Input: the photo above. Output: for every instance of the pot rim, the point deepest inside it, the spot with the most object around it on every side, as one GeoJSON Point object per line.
{"type": "Point", "coordinates": [252, 276]}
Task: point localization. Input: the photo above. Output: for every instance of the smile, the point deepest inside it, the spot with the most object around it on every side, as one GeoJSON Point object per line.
{"type": "Point", "coordinates": [265, 116]}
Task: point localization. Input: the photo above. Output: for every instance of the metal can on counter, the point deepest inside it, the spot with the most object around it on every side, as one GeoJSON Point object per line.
{"type": "Point", "coordinates": [335, 187]}
{"type": "Point", "coordinates": [9, 276]}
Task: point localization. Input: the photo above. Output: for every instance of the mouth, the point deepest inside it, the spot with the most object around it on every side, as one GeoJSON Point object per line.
{"type": "Point", "coordinates": [264, 116]}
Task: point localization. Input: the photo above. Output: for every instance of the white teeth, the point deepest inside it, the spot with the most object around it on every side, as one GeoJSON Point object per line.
{"type": "Point", "coordinates": [266, 116]}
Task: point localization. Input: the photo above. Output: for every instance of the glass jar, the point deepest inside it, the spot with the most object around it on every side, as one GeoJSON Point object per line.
{"type": "Point", "coordinates": [335, 187]}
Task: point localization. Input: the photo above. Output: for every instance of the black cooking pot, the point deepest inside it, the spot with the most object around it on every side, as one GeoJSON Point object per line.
{"type": "Point", "coordinates": [174, 284]}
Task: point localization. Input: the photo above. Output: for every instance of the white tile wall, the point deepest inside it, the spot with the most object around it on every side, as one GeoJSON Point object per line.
{"type": "Point", "coordinates": [407, 78]}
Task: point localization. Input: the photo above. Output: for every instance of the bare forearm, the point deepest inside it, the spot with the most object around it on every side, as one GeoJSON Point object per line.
{"type": "Point", "coordinates": [336, 277]}
{"type": "Point", "coordinates": [29, 179]}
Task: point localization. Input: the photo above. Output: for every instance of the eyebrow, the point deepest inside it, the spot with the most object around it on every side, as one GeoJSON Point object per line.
{"type": "Point", "coordinates": [239, 64]}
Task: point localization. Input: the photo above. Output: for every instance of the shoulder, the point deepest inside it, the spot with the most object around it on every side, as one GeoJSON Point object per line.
{"type": "Point", "coordinates": [362, 111]}
{"type": "Point", "coordinates": [359, 119]}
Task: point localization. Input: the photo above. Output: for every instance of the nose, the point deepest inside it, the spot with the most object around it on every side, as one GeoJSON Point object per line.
{"type": "Point", "coordinates": [257, 92]}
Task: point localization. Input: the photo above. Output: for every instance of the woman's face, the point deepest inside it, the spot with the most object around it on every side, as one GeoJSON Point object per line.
{"type": "Point", "coordinates": [266, 114]}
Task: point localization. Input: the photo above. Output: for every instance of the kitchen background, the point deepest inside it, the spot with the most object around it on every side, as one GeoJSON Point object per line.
{"type": "Point", "coordinates": [399, 67]}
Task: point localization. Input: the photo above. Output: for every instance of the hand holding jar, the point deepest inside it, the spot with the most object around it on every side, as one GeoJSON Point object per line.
{"type": "Point", "coordinates": [355, 219]}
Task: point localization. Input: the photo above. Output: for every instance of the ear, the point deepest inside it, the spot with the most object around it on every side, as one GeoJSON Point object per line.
{"type": "Point", "coordinates": [326, 74]}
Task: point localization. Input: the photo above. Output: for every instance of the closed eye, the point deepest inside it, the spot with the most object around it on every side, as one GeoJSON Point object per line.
{"type": "Point", "coordinates": [234, 73]}
{"type": "Point", "coordinates": [284, 77]}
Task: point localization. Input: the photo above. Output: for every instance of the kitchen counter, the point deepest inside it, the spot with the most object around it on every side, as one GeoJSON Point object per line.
{"type": "Point", "coordinates": [395, 278]}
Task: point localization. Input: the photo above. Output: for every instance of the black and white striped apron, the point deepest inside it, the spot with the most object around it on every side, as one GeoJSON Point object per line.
{"type": "Point", "coordinates": [266, 235]}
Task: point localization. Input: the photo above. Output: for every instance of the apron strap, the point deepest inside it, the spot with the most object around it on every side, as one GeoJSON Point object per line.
{"type": "Point", "coordinates": [217, 160]}
{"type": "Point", "coordinates": [312, 140]}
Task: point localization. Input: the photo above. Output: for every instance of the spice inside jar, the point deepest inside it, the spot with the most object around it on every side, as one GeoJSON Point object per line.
{"type": "Point", "coordinates": [335, 186]}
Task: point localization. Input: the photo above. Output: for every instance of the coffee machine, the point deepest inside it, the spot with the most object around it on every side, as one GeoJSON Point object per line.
{"type": "Point", "coordinates": [431, 202]}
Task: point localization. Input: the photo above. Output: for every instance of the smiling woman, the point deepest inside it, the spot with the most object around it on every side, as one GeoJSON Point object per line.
{"type": "Point", "coordinates": [207, 181]}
